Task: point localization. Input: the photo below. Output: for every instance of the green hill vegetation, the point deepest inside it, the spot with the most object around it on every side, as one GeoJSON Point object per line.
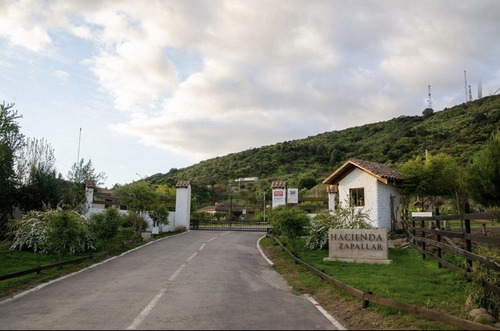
{"type": "Point", "coordinates": [459, 131]}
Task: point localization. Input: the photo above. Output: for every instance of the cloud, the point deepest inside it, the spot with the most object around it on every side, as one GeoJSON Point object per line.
{"type": "Point", "coordinates": [23, 24]}
{"type": "Point", "coordinates": [206, 78]}
{"type": "Point", "coordinates": [61, 74]}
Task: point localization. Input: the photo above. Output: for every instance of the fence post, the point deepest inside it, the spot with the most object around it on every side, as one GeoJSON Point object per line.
{"type": "Point", "coordinates": [413, 231]}
{"type": "Point", "coordinates": [468, 243]}
{"type": "Point", "coordinates": [422, 224]}
{"type": "Point", "coordinates": [438, 236]}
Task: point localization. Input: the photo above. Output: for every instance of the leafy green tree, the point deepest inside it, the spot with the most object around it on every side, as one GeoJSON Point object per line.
{"type": "Point", "coordinates": [11, 140]}
{"type": "Point", "coordinates": [343, 218]}
{"type": "Point", "coordinates": [42, 188]}
{"type": "Point", "coordinates": [483, 174]}
{"type": "Point", "coordinates": [430, 177]}
{"type": "Point", "coordinates": [140, 198]}
{"type": "Point", "coordinates": [81, 172]}
{"type": "Point", "coordinates": [290, 223]}
{"type": "Point", "coordinates": [159, 215]}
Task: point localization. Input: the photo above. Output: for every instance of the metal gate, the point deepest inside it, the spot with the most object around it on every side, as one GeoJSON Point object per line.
{"type": "Point", "coordinates": [235, 213]}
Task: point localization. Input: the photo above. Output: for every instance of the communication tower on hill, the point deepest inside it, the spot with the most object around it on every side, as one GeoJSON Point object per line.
{"type": "Point", "coordinates": [465, 79]}
{"type": "Point", "coordinates": [480, 89]}
{"type": "Point", "coordinates": [429, 100]}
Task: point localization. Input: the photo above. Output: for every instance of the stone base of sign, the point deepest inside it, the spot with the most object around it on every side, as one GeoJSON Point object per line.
{"type": "Point", "coordinates": [371, 261]}
{"type": "Point", "coordinates": [358, 245]}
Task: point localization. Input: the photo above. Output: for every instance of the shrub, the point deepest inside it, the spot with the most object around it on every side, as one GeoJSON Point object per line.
{"type": "Point", "coordinates": [290, 223]}
{"type": "Point", "coordinates": [481, 296]}
{"type": "Point", "coordinates": [54, 231]}
{"type": "Point", "coordinates": [180, 228]}
{"type": "Point", "coordinates": [134, 221]}
{"type": "Point", "coordinates": [343, 218]}
{"type": "Point", "coordinates": [105, 225]}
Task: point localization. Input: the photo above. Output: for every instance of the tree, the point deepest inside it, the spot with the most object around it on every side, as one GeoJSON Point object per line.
{"type": "Point", "coordinates": [81, 172]}
{"type": "Point", "coordinates": [482, 177]}
{"type": "Point", "coordinates": [159, 215]}
{"type": "Point", "coordinates": [430, 177]}
{"type": "Point", "coordinates": [42, 188]}
{"type": "Point", "coordinates": [139, 197]}
{"type": "Point", "coordinates": [11, 140]}
{"type": "Point", "coordinates": [36, 154]}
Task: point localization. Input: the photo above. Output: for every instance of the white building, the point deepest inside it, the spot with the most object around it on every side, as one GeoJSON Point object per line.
{"type": "Point", "coordinates": [368, 185]}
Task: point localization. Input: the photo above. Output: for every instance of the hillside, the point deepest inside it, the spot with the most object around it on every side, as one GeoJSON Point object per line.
{"type": "Point", "coordinates": [459, 131]}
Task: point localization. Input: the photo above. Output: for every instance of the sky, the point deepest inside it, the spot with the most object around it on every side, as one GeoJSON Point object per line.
{"type": "Point", "coordinates": [141, 87]}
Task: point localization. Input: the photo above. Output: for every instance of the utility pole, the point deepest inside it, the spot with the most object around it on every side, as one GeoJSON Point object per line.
{"type": "Point", "coordinates": [79, 139]}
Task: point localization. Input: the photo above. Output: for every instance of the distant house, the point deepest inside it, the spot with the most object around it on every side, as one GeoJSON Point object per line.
{"type": "Point", "coordinates": [99, 199]}
{"type": "Point", "coordinates": [371, 186]}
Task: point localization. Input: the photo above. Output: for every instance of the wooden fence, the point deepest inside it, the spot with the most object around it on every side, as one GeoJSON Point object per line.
{"type": "Point", "coordinates": [433, 238]}
{"type": "Point", "coordinates": [368, 297]}
{"type": "Point", "coordinates": [60, 264]}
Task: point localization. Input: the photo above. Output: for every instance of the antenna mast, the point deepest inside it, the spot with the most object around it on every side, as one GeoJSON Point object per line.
{"type": "Point", "coordinates": [480, 89]}
{"type": "Point", "coordinates": [429, 101]}
{"type": "Point", "coordinates": [465, 78]}
{"type": "Point", "coordinates": [470, 94]}
{"type": "Point", "coordinates": [79, 139]}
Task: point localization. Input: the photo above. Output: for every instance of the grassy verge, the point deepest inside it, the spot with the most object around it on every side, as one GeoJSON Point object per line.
{"type": "Point", "coordinates": [409, 279]}
{"type": "Point", "coordinates": [13, 261]}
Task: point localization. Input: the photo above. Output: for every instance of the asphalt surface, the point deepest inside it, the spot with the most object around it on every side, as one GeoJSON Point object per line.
{"type": "Point", "coordinates": [195, 280]}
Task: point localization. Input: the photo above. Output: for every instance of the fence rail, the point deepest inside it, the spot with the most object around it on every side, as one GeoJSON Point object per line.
{"type": "Point", "coordinates": [60, 264]}
{"type": "Point", "coordinates": [368, 297]}
{"type": "Point", "coordinates": [432, 239]}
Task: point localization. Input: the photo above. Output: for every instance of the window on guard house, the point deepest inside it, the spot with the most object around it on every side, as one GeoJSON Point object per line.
{"type": "Point", "coordinates": [357, 197]}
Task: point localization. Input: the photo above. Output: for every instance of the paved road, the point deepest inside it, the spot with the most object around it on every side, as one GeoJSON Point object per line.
{"type": "Point", "coordinates": [195, 280]}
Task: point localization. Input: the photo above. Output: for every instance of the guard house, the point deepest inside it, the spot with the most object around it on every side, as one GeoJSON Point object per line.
{"type": "Point", "coordinates": [368, 185]}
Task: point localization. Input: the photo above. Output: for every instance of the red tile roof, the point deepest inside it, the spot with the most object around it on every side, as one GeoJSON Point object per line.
{"type": "Point", "coordinates": [278, 184]}
{"type": "Point", "coordinates": [182, 184]}
{"type": "Point", "coordinates": [378, 170]}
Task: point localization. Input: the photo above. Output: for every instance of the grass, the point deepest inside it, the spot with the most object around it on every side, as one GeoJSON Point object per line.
{"type": "Point", "coordinates": [409, 273]}
{"type": "Point", "coordinates": [409, 279]}
{"type": "Point", "coordinates": [13, 261]}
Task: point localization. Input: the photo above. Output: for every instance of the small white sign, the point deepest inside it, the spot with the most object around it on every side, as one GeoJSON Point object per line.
{"type": "Point", "coordinates": [293, 195]}
{"type": "Point", "coordinates": [421, 214]}
{"type": "Point", "coordinates": [278, 197]}
{"type": "Point", "coordinates": [155, 230]}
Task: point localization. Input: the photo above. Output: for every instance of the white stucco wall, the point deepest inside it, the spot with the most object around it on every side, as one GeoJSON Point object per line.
{"type": "Point", "coordinates": [359, 179]}
{"type": "Point", "coordinates": [384, 193]}
{"type": "Point", "coordinates": [377, 197]}
{"type": "Point", "coordinates": [183, 207]}
{"type": "Point", "coordinates": [185, 195]}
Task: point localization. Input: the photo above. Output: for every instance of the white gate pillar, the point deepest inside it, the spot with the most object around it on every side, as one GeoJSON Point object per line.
{"type": "Point", "coordinates": [182, 204]}
{"type": "Point", "coordinates": [332, 191]}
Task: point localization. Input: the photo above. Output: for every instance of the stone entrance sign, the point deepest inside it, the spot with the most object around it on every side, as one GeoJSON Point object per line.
{"type": "Point", "coordinates": [358, 245]}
